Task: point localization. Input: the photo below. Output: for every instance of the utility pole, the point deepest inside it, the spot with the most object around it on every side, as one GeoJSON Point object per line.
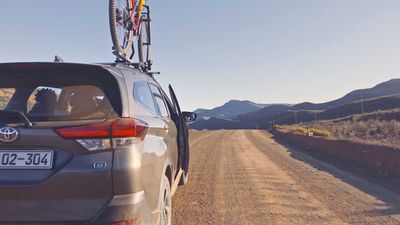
{"type": "Point", "coordinates": [315, 112]}
{"type": "Point", "coordinates": [362, 102]}
{"type": "Point", "coordinates": [295, 115]}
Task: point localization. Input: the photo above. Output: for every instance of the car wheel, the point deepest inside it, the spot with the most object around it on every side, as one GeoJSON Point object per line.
{"type": "Point", "coordinates": [165, 202]}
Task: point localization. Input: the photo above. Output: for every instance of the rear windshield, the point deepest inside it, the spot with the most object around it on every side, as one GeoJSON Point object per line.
{"type": "Point", "coordinates": [58, 98]}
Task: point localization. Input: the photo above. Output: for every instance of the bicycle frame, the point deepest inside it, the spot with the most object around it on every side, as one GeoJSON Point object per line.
{"type": "Point", "coordinates": [129, 18]}
{"type": "Point", "coordinates": [136, 18]}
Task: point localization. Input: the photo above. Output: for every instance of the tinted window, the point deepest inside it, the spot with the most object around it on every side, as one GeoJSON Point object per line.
{"type": "Point", "coordinates": [143, 96]}
{"type": "Point", "coordinates": [162, 109]}
{"type": "Point", "coordinates": [55, 101]}
{"type": "Point", "coordinates": [5, 96]}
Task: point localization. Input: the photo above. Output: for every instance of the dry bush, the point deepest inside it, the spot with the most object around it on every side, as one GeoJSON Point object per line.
{"type": "Point", "coordinates": [321, 133]}
{"type": "Point", "coordinates": [303, 130]}
{"type": "Point", "coordinates": [371, 131]}
{"type": "Point", "coordinates": [300, 130]}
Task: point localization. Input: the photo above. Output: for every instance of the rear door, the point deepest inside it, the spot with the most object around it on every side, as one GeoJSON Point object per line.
{"type": "Point", "coordinates": [44, 174]}
{"type": "Point", "coordinates": [170, 130]}
{"type": "Point", "coordinates": [183, 133]}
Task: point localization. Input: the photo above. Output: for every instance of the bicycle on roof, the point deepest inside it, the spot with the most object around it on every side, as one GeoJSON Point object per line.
{"type": "Point", "coordinates": [130, 27]}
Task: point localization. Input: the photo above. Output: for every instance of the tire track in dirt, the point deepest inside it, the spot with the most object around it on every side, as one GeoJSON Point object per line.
{"type": "Point", "coordinates": [245, 177]}
{"type": "Point", "coordinates": [191, 199]}
{"type": "Point", "coordinates": [219, 189]}
{"type": "Point", "coordinates": [238, 199]}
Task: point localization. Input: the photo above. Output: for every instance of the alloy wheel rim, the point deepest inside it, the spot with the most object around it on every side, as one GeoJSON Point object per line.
{"type": "Point", "coordinates": [166, 209]}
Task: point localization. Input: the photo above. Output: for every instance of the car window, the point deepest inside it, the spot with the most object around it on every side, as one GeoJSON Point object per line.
{"type": "Point", "coordinates": [56, 102]}
{"type": "Point", "coordinates": [162, 109]}
{"type": "Point", "coordinates": [5, 96]}
{"type": "Point", "coordinates": [42, 94]}
{"type": "Point", "coordinates": [143, 96]}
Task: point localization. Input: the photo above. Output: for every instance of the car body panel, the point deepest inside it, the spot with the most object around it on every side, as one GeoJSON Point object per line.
{"type": "Point", "coordinates": [28, 194]}
{"type": "Point", "coordinates": [158, 146]}
{"type": "Point", "coordinates": [74, 191]}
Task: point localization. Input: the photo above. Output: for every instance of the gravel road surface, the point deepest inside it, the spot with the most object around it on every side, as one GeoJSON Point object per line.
{"type": "Point", "coordinates": [246, 177]}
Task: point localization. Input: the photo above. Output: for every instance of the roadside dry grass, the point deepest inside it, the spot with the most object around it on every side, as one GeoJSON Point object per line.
{"type": "Point", "coordinates": [381, 127]}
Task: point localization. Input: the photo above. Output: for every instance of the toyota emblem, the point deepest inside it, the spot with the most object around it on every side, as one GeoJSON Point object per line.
{"type": "Point", "coordinates": [8, 134]}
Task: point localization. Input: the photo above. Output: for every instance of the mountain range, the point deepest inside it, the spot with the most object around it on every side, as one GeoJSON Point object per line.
{"type": "Point", "coordinates": [246, 114]}
{"type": "Point", "coordinates": [230, 110]}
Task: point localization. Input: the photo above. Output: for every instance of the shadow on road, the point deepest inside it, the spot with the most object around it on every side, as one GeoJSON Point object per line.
{"type": "Point", "coordinates": [353, 175]}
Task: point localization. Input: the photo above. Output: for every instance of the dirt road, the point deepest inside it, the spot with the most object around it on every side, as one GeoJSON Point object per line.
{"type": "Point", "coordinates": [245, 177]}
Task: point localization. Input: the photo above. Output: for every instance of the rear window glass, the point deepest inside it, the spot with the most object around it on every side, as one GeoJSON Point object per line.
{"type": "Point", "coordinates": [5, 96]}
{"type": "Point", "coordinates": [56, 99]}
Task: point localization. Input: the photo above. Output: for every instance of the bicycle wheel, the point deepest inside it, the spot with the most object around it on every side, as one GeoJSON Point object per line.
{"type": "Point", "coordinates": [120, 16]}
{"type": "Point", "coordinates": [144, 43]}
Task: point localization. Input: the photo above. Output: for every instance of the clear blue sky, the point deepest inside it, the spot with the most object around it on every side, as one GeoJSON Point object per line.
{"type": "Point", "coordinates": [212, 51]}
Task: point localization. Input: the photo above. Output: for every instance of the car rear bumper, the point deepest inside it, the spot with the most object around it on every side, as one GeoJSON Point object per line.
{"type": "Point", "coordinates": [120, 208]}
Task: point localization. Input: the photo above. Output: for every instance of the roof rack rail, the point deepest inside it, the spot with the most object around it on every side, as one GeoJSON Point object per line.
{"type": "Point", "coordinates": [129, 63]}
{"type": "Point", "coordinates": [137, 65]}
{"type": "Point", "coordinates": [153, 73]}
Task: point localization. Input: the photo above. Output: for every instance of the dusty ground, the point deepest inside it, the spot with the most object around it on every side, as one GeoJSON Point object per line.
{"type": "Point", "coordinates": [245, 177]}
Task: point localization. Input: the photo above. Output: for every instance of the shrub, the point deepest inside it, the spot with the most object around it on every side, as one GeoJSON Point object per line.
{"type": "Point", "coordinates": [374, 128]}
{"type": "Point", "coordinates": [321, 133]}
{"type": "Point", "coordinates": [300, 130]}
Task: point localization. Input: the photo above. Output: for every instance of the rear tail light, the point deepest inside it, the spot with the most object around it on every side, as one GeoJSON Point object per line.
{"type": "Point", "coordinates": [93, 131]}
{"type": "Point", "coordinates": [116, 133]}
{"type": "Point", "coordinates": [129, 128]}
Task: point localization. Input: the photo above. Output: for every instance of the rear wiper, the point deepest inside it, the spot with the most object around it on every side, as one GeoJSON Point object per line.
{"type": "Point", "coordinates": [12, 116]}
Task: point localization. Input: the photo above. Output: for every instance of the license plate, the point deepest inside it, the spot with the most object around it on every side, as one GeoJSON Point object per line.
{"type": "Point", "coordinates": [26, 159]}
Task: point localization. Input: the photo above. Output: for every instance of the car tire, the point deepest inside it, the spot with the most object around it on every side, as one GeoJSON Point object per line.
{"type": "Point", "coordinates": [165, 203]}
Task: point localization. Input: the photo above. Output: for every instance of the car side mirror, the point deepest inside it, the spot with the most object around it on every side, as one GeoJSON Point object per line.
{"type": "Point", "coordinates": [189, 116]}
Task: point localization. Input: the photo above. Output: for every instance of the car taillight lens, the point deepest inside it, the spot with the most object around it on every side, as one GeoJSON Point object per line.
{"type": "Point", "coordinates": [118, 133]}
{"type": "Point", "coordinates": [129, 128]}
{"type": "Point", "coordinates": [93, 131]}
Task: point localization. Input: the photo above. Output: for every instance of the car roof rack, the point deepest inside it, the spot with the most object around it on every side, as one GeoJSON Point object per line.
{"type": "Point", "coordinates": [136, 65]}
{"type": "Point", "coordinates": [153, 73]}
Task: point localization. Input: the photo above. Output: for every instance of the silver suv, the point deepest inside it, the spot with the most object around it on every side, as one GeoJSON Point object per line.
{"type": "Point", "coordinates": [87, 144]}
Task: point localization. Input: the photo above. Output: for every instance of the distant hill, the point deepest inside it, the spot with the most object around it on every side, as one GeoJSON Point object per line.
{"type": "Point", "coordinates": [305, 111]}
{"type": "Point", "coordinates": [261, 117]}
{"type": "Point", "coordinates": [230, 109]}
{"type": "Point", "coordinates": [371, 105]}
{"type": "Point", "coordinates": [200, 111]}
{"type": "Point", "coordinates": [388, 88]}
{"type": "Point", "coordinates": [385, 95]}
